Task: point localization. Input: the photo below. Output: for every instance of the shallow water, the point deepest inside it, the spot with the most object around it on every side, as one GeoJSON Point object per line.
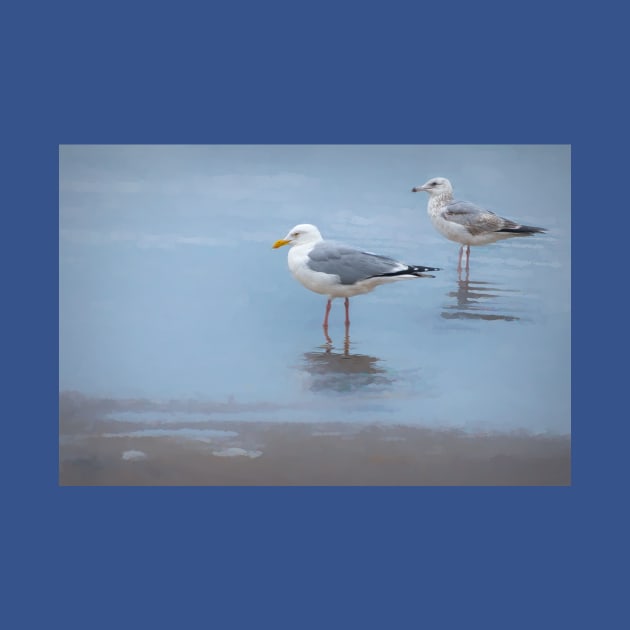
{"type": "Point", "coordinates": [173, 303]}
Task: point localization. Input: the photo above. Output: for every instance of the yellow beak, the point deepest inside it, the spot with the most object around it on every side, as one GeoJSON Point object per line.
{"type": "Point", "coordinates": [280, 243]}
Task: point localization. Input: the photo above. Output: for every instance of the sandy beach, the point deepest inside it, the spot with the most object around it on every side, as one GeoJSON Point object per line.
{"type": "Point", "coordinates": [95, 450]}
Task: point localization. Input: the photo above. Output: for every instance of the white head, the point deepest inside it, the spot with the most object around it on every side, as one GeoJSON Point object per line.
{"type": "Point", "coordinates": [300, 235]}
{"type": "Point", "coordinates": [435, 186]}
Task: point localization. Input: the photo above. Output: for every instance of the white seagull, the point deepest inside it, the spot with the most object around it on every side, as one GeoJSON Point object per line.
{"type": "Point", "coordinates": [466, 223]}
{"type": "Point", "coordinates": [336, 270]}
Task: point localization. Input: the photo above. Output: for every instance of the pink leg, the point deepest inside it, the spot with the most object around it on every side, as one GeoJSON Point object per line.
{"type": "Point", "coordinates": [459, 260]}
{"type": "Point", "coordinates": [347, 304]}
{"type": "Point", "coordinates": [328, 305]}
{"type": "Point", "coordinates": [467, 257]}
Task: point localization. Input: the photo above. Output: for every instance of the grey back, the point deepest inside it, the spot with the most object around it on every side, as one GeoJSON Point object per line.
{"type": "Point", "coordinates": [351, 265]}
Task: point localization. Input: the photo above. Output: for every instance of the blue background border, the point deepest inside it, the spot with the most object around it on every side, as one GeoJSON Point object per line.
{"type": "Point", "coordinates": [317, 557]}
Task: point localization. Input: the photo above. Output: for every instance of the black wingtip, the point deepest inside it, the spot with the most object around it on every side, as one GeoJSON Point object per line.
{"type": "Point", "coordinates": [421, 269]}
{"type": "Point", "coordinates": [524, 230]}
{"type": "Point", "coordinates": [412, 270]}
{"type": "Point", "coordinates": [420, 272]}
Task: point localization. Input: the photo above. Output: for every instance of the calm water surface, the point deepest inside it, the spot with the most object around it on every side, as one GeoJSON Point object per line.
{"type": "Point", "coordinates": [170, 291]}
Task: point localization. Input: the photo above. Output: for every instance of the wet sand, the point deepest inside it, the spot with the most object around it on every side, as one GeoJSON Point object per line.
{"type": "Point", "coordinates": [96, 451]}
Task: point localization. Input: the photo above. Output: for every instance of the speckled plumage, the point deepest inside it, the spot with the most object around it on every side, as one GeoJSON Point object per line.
{"type": "Point", "coordinates": [465, 222]}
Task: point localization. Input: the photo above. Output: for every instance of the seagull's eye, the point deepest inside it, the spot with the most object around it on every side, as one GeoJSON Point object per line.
{"type": "Point", "coordinates": [295, 234]}
{"type": "Point", "coordinates": [434, 183]}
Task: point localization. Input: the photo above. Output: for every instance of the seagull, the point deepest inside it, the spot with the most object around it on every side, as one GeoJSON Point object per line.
{"type": "Point", "coordinates": [466, 223]}
{"type": "Point", "coordinates": [337, 270]}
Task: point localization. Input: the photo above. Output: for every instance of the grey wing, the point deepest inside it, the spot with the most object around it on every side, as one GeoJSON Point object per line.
{"type": "Point", "coordinates": [351, 265]}
{"type": "Point", "coordinates": [475, 219]}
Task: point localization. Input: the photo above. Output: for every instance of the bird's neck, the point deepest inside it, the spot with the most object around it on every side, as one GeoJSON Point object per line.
{"type": "Point", "coordinates": [437, 202]}
{"type": "Point", "coordinates": [298, 254]}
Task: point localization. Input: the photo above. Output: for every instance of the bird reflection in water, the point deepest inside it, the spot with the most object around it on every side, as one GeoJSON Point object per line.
{"type": "Point", "coordinates": [476, 300]}
{"type": "Point", "coordinates": [342, 371]}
